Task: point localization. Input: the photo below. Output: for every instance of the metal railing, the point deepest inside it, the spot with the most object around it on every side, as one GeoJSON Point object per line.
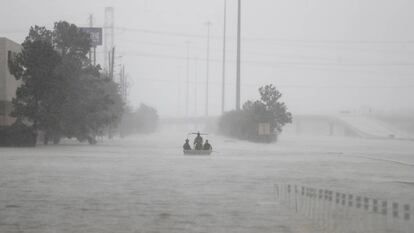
{"type": "Point", "coordinates": [338, 212]}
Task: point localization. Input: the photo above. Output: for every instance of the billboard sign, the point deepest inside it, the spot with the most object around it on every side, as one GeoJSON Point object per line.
{"type": "Point", "coordinates": [95, 34]}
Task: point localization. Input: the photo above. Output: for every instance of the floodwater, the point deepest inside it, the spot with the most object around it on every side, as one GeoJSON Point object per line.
{"type": "Point", "coordinates": [145, 184]}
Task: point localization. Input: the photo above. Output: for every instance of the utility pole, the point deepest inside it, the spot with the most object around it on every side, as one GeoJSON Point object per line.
{"type": "Point", "coordinates": [90, 19]}
{"type": "Point", "coordinates": [238, 57]}
{"type": "Point", "coordinates": [93, 51]}
{"type": "Point", "coordinates": [109, 48]}
{"type": "Point", "coordinates": [179, 94]}
{"type": "Point", "coordinates": [124, 85]}
{"type": "Point", "coordinates": [223, 88]}
{"type": "Point", "coordinates": [121, 82]}
{"type": "Point", "coordinates": [196, 86]}
{"type": "Point", "coordinates": [108, 64]}
{"type": "Point", "coordinates": [195, 90]}
{"type": "Point", "coordinates": [187, 91]}
{"type": "Point", "coordinates": [208, 66]}
{"type": "Point", "coordinates": [94, 55]}
{"type": "Point", "coordinates": [111, 63]}
{"type": "Point", "coordinates": [108, 35]}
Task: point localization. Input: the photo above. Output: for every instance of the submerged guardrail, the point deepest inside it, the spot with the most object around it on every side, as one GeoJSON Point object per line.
{"type": "Point", "coordinates": [339, 212]}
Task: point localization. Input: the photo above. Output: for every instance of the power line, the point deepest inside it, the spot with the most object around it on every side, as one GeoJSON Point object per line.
{"type": "Point", "coordinates": [285, 63]}
{"type": "Point", "coordinates": [270, 64]}
{"type": "Point", "coordinates": [292, 86]}
{"type": "Point", "coordinates": [248, 52]}
{"type": "Point", "coordinates": [368, 46]}
{"type": "Point", "coordinates": [262, 39]}
{"type": "Point", "coordinates": [269, 39]}
{"type": "Point", "coordinates": [163, 33]}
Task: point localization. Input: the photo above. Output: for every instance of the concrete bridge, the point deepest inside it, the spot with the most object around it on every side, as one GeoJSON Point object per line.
{"type": "Point", "coordinates": [321, 125]}
{"type": "Point", "coordinates": [346, 125]}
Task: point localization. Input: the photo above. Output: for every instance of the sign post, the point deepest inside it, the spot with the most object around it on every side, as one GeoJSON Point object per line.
{"type": "Point", "coordinates": [96, 39]}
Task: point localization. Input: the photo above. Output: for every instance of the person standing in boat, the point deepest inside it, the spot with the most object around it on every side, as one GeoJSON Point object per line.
{"type": "Point", "coordinates": [198, 142]}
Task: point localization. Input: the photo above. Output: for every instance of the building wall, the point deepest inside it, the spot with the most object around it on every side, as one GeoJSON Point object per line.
{"type": "Point", "coordinates": [8, 83]}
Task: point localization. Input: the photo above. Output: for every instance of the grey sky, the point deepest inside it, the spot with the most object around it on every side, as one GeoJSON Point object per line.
{"type": "Point", "coordinates": [324, 55]}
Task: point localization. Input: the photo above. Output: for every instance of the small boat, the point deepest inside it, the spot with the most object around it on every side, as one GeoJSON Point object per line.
{"type": "Point", "coordinates": [198, 152]}
{"type": "Point", "coordinates": [193, 151]}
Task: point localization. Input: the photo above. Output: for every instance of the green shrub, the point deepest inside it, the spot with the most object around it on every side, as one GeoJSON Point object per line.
{"type": "Point", "coordinates": [17, 135]}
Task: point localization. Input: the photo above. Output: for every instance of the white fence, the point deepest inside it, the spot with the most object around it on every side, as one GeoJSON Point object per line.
{"type": "Point", "coordinates": [337, 212]}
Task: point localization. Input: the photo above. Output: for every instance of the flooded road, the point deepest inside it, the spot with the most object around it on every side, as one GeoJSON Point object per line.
{"type": "Point", "coordinates": [145, 184]}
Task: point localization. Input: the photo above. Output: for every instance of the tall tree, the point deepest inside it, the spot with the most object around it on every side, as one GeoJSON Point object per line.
{"type": "Point", "coordinates": [62, 94]}
{"type": "Point", "coordinates": [268, 109]}
{"type": "Point", "coordinates": [92, 100]}
{"type": "Point", "coordinates": [274, 108]}
{"type": "Point", "coordinates": [35, 66]}
{"type": "Point", "coordinates": [71, 41]}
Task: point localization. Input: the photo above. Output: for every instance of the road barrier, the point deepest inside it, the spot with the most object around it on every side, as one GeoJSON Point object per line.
{"type": "Point", "coordinates": [339, 212]}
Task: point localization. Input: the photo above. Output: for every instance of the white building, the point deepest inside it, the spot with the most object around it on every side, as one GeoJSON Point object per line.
{"type": "Point", "coordinates": [8, 83]}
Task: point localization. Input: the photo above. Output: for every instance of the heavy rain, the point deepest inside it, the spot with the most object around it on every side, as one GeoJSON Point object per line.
{"type": "Point", "coordinates": [196, 116]}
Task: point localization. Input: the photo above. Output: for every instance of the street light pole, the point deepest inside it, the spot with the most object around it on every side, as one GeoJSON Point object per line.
{"type": "Point", "coordinates": [179, 94]}
{"type": "Point", "coordinates": [187, 91]}
{"type": "Point", "coordinates": [223, 90]}
{"type": "Point", "coordinates": [195, 86]}
{"type": "Point", "coordinates": [238, 57]}
{"type": "Point", "coordinates": [208, 66]}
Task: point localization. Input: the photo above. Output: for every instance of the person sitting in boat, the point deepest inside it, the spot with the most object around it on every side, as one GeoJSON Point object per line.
{"type": "Point", "coordinates": [207, 146]}
{"type": "Point", "coordinates": [198, 142]}
{"type": "Point", "coordinates": [186, 145]}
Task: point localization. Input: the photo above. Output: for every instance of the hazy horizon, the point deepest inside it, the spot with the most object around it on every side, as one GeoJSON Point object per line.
{"type": "Point", "coordinates": [324, 56]}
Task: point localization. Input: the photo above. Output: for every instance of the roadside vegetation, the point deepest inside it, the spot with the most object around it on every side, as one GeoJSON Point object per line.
{"type": "Point", "coordinates": [62, 94]}
{"type": "Point", "coordinates": [142, 120]}
{"type": "Point", "coordinates": [261, 120]}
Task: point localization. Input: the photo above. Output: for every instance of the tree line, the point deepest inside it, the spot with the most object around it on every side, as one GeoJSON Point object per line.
{"type": "Point", "coordinates": [142, 120]}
